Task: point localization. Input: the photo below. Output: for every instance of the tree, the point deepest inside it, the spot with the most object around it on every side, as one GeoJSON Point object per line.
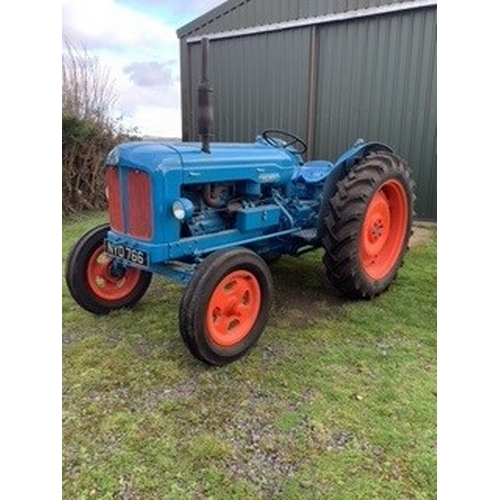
{"type": "Point", "coordinates": [88, 129]}
{"type": "Point", "coordinates": [88, 92]}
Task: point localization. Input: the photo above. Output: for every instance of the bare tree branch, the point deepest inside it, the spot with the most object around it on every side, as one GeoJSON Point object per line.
{"type": "Point", "coordinates": [88, 92]}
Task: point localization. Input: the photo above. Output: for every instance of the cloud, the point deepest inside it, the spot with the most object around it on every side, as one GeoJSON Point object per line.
{"type": "Point", "coordinates": [175, 12]}
{"type": "Point", "coordinates": [149, 74]}
{"type": "Point", "coordinates": [154, 121]}
{"type": "Point", "coordinates": [104, 24]}
{"type": "Point", "coordinates": [149, 85]}
{"type": "Point", "coordinates": [194, 6]}
{"type": "Point", "coordinates": [132, 97]}
{"type": "Point", "coordinates": [153, 110]}
{"type": "Point", "coordinates": [200, 6]}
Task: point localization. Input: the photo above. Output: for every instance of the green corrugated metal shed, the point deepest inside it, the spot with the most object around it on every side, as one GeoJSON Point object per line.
{"type": "Point", "coordinates": [330, 71]}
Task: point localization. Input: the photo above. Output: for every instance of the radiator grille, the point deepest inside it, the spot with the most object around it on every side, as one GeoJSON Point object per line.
{"type": "Point", "coordinates": [139, 207]}
{"type": "Point", "coordinates": [114, 199]}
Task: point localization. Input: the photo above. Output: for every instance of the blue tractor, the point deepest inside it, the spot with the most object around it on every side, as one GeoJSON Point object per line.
{"type": "Point", "coordinates": [214, 218]}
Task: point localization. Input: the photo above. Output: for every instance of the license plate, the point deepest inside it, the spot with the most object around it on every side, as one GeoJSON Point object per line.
{"type": "Point", "coordinates": [124, 252]}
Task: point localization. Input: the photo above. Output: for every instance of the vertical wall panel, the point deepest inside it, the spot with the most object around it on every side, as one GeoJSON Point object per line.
{"type": "Point", "coordinates": [260, 82]}
{"type": "Point", "coordinates": [377, 80]}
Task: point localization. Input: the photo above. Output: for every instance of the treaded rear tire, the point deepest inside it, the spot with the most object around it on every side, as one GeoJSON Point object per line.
{"type": "Point", "coordinates": [369, 225]}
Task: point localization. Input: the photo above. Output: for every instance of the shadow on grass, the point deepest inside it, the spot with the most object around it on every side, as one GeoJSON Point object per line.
{"type": "Point", "coordinates": [302, 292]}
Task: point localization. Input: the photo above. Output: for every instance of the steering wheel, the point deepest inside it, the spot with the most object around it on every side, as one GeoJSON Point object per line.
{"type": "Point", "coordinates": [281, 139]}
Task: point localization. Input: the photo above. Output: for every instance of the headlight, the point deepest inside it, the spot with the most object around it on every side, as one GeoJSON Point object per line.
{"type": "Point", "coordinates": [182, 209]}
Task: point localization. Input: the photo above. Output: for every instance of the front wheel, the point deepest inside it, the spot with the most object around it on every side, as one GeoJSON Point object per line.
{"type": "Point", "coordinates": [226, 305]}
{"type": "Point", "coordinates": [97, 282]}
{"type": "Point", "coordinates": [368, 225]}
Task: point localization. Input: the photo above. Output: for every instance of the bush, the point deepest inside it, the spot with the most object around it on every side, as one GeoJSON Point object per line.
{"type": "Point", "coordinates": [84, 147]}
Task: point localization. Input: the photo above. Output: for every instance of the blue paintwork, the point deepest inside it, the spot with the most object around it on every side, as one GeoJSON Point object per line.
{"type": "Point", "coordinates": [313, 171]}
{"type": "Point", "coordinates": [255, 162]}
{"type": "Point", "coordinates": [258, 218]}
{"type": "Point", "coordinates": [360, 149]}
{"type": "Point", "coordinates": [275, 196]}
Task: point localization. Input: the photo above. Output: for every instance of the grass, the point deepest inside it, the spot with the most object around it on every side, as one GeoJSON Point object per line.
{"type": "Point", "coordinates": [337, 400]}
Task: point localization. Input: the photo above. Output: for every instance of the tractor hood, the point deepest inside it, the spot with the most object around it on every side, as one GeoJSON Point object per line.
{"type": "Point", "coordinates": [154, 156]}
{"type": "Point", "coordinates": [149, 156]}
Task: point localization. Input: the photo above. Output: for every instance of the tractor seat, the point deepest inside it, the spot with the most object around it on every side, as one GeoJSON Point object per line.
{"type": "Point", "coordinates": [313, 171]}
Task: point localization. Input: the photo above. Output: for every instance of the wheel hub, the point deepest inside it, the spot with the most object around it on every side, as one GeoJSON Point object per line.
{"type": "Point", "coordinates": [377, 230]}
{"type": "Point", "coordinates": [377, 225]}
{"type": "Point", "coordinates": [115, 271]}
{"type": "Point", "coordinates": [108, 279]}
{"type": "Point", "coordinates": [383, 230]}
{"type": "Point", "coordinates": [233, 308]}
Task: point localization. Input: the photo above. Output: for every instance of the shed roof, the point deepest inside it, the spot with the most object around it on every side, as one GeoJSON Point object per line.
{"type": "Point", "coordinates": [238, 14]}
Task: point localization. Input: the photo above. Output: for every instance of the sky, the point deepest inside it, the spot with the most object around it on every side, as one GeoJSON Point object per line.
{"type": "Point", "coordinates": [137, 42]}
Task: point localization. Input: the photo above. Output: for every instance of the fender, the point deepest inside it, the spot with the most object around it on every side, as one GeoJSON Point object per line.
{"type": "Point", "coordinates": [341, 168]}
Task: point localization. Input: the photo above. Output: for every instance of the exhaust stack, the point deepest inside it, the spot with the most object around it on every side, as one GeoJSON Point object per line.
{"type": "Point", "coordinates": [205, 105]}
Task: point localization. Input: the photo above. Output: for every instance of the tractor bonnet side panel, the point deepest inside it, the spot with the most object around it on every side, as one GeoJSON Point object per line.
{"type": "Point", "coordinates": [237, 162]}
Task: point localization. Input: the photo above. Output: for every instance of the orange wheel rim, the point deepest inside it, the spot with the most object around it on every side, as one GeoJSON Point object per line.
{"type": "Point", "coordinates": [384, 230]}
{"type": "Point", "coordinates": [233, 308]}
{"type": "Point", "coordinates": [107, 282]}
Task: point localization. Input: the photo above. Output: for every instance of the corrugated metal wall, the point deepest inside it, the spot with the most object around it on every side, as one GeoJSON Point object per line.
{"type": "Point", "coordinates": [259, 83]}
{"type": "Point", "coordinates": [377, 80]}
{"type": "Point", "coordinates": [372, 77]}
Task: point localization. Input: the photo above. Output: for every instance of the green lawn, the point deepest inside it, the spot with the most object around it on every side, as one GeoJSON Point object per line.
{"type": "Point", "coordinates": [336, 401]}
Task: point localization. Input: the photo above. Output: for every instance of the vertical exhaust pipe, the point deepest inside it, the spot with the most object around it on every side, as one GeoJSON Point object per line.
{"type": "Point", "coordinates": [205, 105]}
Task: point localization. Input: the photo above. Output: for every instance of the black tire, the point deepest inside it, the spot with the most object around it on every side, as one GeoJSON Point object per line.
{"type": "Point", "coordinates": [226, 306]}
{"type": "Point", "coordinates": [368, 225]}
{"type": "Point", "coordinates": [109, 289]}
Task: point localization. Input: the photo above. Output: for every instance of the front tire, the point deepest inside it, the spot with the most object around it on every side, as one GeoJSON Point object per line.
{"type": "Point", "coordinates": [226, 306]}
{"type": "Point", "coordinates": [97, 283]}
{"type": "Point", "coordinates": [368, 225]}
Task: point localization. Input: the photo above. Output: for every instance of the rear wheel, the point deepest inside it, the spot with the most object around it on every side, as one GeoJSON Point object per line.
{"type": "Point", "coordinates": [97, 282]}
{"type": "Point", "coordinates": [226, 306]}
{"type": "Point", "coordinates": [369, 225]}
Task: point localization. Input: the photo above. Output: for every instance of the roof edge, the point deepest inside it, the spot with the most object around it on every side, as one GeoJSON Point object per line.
{"type": "Point", "coordinates": [317, 20]}
{"type": "Point", "coordinates": [212, 14]}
